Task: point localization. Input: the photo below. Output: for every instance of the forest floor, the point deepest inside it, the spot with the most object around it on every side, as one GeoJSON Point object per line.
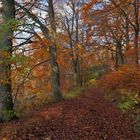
{"type": "Point", "coordinates": [87, 117]}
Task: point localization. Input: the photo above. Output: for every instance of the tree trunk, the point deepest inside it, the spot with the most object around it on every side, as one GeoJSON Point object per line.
{"type": "Point", "coordinates": [6, 103]}
{"type": "Point", "coordinates": [116, 59]}
{"type": "Point", "coordinates": [53, 48]}
{"type": "Point", "coordinates": [77, 59]}
{"type": "Point", "coordinates": [136, 11]}
{"type": "Point", "coordinates": [119, 53]}
{"type": "Point", "coordinates": [120, 56]}
{"type": "Point", "coordinates": [53, 52]}
{"type": "Point", "coordinates": [136, 48]}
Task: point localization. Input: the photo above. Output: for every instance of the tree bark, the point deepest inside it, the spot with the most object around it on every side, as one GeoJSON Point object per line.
{"type": "Point", "coordinates": [77, 59]}
{"type": "Point", "coordinates": [120, 55]}
{"type": "Point", "coordinates": [136, 40]}
{"type": "Point", "coordinates": [53, 54]}
{"type": "Point", "coordinates": [6, 103]}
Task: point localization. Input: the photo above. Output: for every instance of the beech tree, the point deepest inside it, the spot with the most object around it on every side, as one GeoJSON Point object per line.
{"type": "Point", "coordinates": [115, 26]}
{"type": "Point", "coordinates": [6, 35]}
{"type": "Point", "coordinates": [133, 19]}
{"type": "Point", "coordinates": [53, 55]}
{"type": "Point", "coordinates": [51, 37]}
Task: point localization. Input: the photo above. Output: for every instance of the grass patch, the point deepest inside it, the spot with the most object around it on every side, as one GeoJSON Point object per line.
{"type": "Point", "coordinates": [74, 92]}
{"type": "Point", "coordinates": [128, 102]}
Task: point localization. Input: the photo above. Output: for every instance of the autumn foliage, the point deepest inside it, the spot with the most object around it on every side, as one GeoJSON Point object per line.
{"type": "Point", "coordinates": [125, 78]}
{"type": "Point", "coordinates": [54, 50]}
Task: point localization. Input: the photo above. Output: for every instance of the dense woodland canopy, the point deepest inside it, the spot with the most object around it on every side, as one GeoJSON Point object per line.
{"type": "Point", "coordinates": [48, 47]}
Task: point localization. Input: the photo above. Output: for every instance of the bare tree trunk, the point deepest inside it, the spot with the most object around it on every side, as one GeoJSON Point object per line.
{"type": "Point", "coordinates": [53, 53]}
{"type": "Point", "coordinates": [6, 103]}
{"type": "Point", "coordinates": [136, 12]}
{"type": "Point", "coordinates": [77, 59]}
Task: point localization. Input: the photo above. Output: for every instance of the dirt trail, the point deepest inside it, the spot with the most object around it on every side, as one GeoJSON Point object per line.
{"type": "Point", "coordinates": [87, 117]}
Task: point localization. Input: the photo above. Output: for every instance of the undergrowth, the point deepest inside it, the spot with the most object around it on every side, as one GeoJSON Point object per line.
{"type": "Point", "coordinates": [122, 89]}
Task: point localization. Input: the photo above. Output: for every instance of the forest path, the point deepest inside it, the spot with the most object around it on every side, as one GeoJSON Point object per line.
{"type": "Point", "coordinates": [88, 117]}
